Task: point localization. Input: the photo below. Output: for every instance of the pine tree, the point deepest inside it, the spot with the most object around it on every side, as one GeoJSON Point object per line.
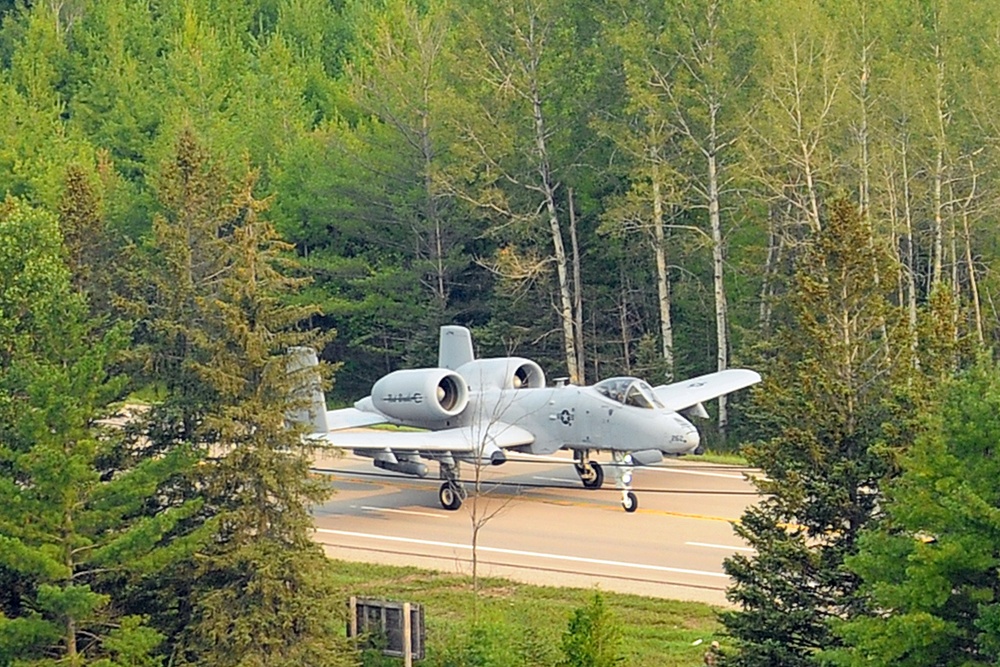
{"type": "Point", "coordinates": [68, 526]}
{"type": "Point", "coordinates": [835, 380]}
{"type": "Point", "coordinates": [220, 326]}
{"type": "Point", "coordinates": [931, 566]}
{"type": "Point", "coordinates": [593, 637]}
{"type": "Point", "coordinates": [266, 599]}
{"type": "Point", "coordinates": [99, 261]}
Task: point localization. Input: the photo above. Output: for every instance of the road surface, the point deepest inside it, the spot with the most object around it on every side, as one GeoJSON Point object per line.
{"type": "Point", "coordinates": [539, 525]}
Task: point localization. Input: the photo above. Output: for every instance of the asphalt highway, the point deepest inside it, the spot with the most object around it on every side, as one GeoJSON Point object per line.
{"type": "Point", "coordinates": [537, 524]}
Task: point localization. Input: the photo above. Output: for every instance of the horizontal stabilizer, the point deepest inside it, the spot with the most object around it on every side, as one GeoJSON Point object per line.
{"type": "Point", "coordinates": [337, 420]}
{"type": "Point", "coordinates": [467, 439]}
{"type": "Point", "coordinates": [681, 395]}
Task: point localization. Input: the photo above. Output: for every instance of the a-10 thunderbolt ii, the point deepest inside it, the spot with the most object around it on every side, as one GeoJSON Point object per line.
{"type": "Point", "coordinates": [474, 410]}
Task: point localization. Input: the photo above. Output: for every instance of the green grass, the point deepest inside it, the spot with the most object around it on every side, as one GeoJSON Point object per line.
{"type": "Point", "coordinates": [726, 458]}
{"type": "Point", "coordinates": [396, 427]}
{"type": "Point", "coordinates": [508, 620]}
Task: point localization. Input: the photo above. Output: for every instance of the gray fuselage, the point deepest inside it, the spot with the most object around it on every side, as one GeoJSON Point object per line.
{"type": "Point", "coordinates": [575, 417]}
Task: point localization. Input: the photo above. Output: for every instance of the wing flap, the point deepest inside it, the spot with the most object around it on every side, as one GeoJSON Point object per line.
{"type": "Point", "coordinates": [465, 439]}
{"type": "Point", "coordinates": [337, 420]}
{"type": "Point", "coordinates": [688, 393]}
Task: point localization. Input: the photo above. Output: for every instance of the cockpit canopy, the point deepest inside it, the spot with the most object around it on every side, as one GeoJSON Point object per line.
{"type": "Point", "coordinates": [629, 391]}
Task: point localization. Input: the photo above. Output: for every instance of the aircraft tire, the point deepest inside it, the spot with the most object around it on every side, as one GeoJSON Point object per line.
{"type": "Point", "coordinates": [597, 480]}
{"type": "Point", "coordinates": [450, 499]}
{"type": "Point", "coordinates": [630, 502]}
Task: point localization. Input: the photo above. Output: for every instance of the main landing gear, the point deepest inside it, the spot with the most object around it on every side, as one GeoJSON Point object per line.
{"type": "Point", "coordinates": [452, 492]}
{"type": "Point", "coordinates": [590, 472]}
{"type": "Point", "coordinates": [592, 475]}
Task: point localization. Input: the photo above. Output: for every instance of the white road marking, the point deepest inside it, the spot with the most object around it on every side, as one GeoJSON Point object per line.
{"type": "Point", "coordinates": [718, 546]}
{"type": "Point", "coordinates": [564, 480]}
{"type": "Point", "coordinates": [518, 552]}
{"type": "Point", "coordinates": [694, 472]}
{"type": "Point", "coordinates": [513, 456]}
{"type": "Point", "coordinates": [395, 511]}
{"type": "Point", "coordinates": [535, 458]}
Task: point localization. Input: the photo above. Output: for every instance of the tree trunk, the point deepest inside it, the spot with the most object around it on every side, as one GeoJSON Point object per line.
{"type": "Point", "coordinates": [774, 247]}
{"type": "Point", "coordinates": [562, 269]}
{"type": "Point", "coordinates": [937, 262]}
{"type": "Point", "coordinates": [718, 282]}
{"type": "Point", "coordinates": [577, 293]}
{"type": "Point", "coordinates": [430, 204]}
{"type": "Point", "coordinates": [662, 276]}
{"type": "Point", "coordinates": [973, 283]}
{"type": "Point", "coordinates": [623, 325]}
{"type": "Point", "coordinates": [911, 272]}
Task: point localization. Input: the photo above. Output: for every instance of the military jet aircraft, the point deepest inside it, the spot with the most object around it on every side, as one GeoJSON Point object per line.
{"type": "Point", "coordinates": [474, 410]}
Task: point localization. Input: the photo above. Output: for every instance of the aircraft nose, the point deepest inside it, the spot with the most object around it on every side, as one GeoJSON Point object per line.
{"type": "Point", "coordinates": [693, 439]}
{"type": "Point", "coordinates": [683, 437]}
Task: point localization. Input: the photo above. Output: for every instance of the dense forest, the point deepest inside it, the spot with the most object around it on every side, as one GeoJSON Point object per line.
{"type": "Point", "coordinates": [805, 187]}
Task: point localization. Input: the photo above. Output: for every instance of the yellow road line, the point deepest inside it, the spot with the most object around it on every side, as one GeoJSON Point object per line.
{"type": "Point", "coordinates": [402, 483]}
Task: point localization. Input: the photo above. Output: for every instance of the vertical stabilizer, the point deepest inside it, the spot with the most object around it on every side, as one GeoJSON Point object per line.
{"type": "Point", "coordinates": [455, 348]}
{"type": "Point", "coordinates": [307, 402]}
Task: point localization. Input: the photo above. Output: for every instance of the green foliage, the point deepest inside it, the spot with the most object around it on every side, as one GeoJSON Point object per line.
{"type": "Point", "coordinates": [408, 148]}
{"type": "Point", "coordinates": [930, 567]}
{"type": "Point", "coordinates": [593, 638]}
{"type": "Point", "coordinates": [495, 643]}
{"type": "Point", "coordinates": [32, 277]}
{"type": "Point", "coordinates": [823, 409]}
{"type": "Point", "coordinates": [66, 521]}
{"type": "Point", "coordinates": [219, 327]}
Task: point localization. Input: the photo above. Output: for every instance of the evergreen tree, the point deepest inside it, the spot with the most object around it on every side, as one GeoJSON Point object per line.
{"type": "Point", "coordinates": [219, 330]}
{"type": "Point", "coordinates": [67, 524]}
{"type": "Point", "coordinates": [931, 567]}
{"type": "Point", "coordinates": [261, 594]}
{"type": "Point", "coordinates": [593, 637]}
{"type": "Point", "coordinates": [834, 381]}
{"type": "Point", "coordinates": [101, 264]}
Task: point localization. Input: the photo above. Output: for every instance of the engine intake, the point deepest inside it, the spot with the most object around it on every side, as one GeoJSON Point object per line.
{"type": "Point", "coordinates": [503, 373]}
{"type": "Point", "coordinates": [423, 394]}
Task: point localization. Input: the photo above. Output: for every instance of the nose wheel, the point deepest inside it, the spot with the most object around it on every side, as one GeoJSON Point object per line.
{"type": "Point", "coordinates": [630, 502]}
{"type": "Point", "coordinates": [623, 480]}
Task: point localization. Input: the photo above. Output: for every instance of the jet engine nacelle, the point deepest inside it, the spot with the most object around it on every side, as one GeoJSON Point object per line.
{"type": "Point", "coordinates": [422, 394]}
{"type": "Point", "coordinates": [503, 373]}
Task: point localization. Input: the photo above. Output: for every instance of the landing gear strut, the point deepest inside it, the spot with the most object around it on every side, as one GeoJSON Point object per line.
{"type": "Point", "coordinates": [623, 480]}
{"type": "Point", "coordinates": [590, 472]}
{"type": "Point", "coordinates": [452, 492]}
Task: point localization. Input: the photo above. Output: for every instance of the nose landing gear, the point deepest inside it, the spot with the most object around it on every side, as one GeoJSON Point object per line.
{"type": "Point", "coordinates": [630, 502]}
{"type": "Point", "coordinates": [592, 475]}
{"type": "Point", "coordinates": [623, 480]}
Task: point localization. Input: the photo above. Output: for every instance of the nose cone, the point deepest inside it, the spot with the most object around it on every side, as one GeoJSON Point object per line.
{"type": "Point", "coordinates": [682, 437]}
{"type": "Point", "coordinates": [693, 439]}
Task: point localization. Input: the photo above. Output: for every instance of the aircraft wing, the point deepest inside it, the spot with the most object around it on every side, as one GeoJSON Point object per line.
{"type": "Point", "coordinates": [689, 393]}
{"type": "Point", "coordinates": [337, 420]}
{"type": "Point", "coordinates": [458, 440]}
